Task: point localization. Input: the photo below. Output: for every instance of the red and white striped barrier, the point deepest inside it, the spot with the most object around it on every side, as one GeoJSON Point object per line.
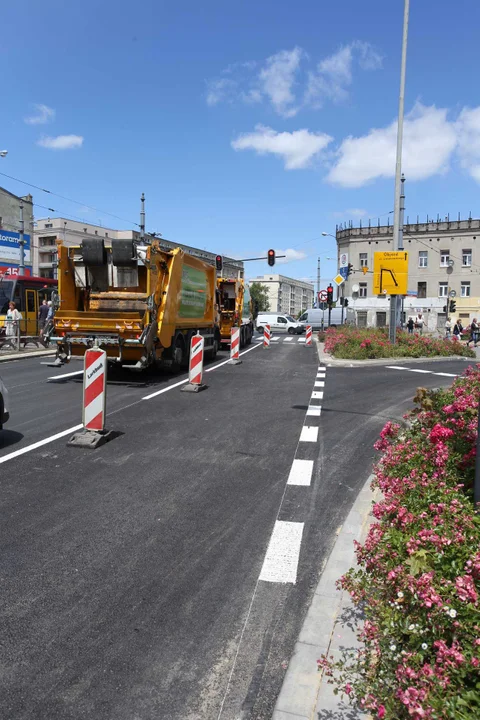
{"type": "Point", "coordinates": [266, 336]}
{"type": "Point", "coordinates": [195, 370]}
{"type": "Point", "coordinates": [94, 389]}
{"type": "Point", "coordinates": [308, 336]}
{"type": "Point", "coordinates": [235, 346]}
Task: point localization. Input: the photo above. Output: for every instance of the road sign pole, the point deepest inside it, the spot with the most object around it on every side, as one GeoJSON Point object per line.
{"type": "Point", "coordinates": [343, 301]}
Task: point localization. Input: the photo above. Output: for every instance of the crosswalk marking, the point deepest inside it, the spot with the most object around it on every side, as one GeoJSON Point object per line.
{"type": "Point", "coordinates": [418, 370]}
{"type": "Point", "coordinates": [281, 561]}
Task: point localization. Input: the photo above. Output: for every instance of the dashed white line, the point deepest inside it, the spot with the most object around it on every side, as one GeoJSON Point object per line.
{"type": "Point", "coordinates": [301, 340]}
{"type": "Point", "coordinates": [317, 395]}
{"type": "Point", "coordinates": [314, 410]}
{"type": "Point", "coordinates": [446, 374]}
{"type": "Point", "coordinates": [309, 434]}
{"type": "Point", "coordinates": [319, 383]}
{"type": "Point", "coordinates": [283, 552]}
{"type": "Point", "coordinates": [66, 375]}
{"type": "Point", "coordinates": [300, 472]}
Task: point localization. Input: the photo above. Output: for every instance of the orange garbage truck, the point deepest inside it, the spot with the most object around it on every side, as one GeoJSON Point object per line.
{"type": "Point", "coordinates": [138, 302]}
{"type": "Point", "coordinates": [235, 308]}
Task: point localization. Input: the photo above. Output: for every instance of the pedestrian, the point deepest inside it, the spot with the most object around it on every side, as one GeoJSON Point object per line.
{"type": "Point", "coordinates": [12, 320]}
{"type": "Point", "coordinates": [51, 311]}
{"type": "Point", "coordinates": [474, 330]}
{"type": "Point", "coordinates": [458, 329]}
{"type": "Point", "coordinates": [419, 322]}
{"type": "Point", "coordinates": [410, 325]}
{"type": "Point", "coordinates": [42, 316]}
{"type": "Point", "coordinates": [448, 328]}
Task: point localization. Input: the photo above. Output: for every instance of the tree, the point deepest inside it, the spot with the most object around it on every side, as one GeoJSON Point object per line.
{"type": "Point", "coordinates": [260, 300]}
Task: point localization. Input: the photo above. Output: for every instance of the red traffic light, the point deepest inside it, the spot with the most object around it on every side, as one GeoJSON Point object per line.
{"type": "Point", "coordinates": [271, 257]}
{"type": "Point", "coordinates": [219, 263]}
{"type": "Point", "coordinates": [330, 294]}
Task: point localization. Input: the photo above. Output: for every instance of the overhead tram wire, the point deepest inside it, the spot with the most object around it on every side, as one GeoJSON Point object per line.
{"type": "Point", "coordinates": [62, 197]}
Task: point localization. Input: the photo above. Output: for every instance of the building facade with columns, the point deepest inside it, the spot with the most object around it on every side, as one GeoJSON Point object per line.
{"type": "Point", "coordinates": [443, 260]}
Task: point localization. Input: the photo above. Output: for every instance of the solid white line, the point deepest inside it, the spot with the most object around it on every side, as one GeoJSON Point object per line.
{"type": "Point", "coordinates": [309, 434]}
{"type": "Point", "coordinates": [317, 395]}
{"type": "Point", "coordinates": [181, 382]}
{"type": "Point", "coordinates": [301, 472]}
{"type": "Point", "coordinates": [289, 339]}
{"type": "Point", "coordinates": [60, 377]}
{"type": "Point", "coordinates": [319, 383]}
{"type": "Point", "coordinates": [315, 410]}
{"type": "Point", "coordinates": [283, 552]}
{"type": "Point", "coordinates": [38, 444]}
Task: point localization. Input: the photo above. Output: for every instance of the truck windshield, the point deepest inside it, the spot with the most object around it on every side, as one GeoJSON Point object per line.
{"type": "Point", "coordinates": [6, 289]}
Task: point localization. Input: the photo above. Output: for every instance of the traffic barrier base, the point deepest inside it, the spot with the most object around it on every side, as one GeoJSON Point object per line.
{"type": "Point", "coordinates": [190, 387]}
{"type": "Point", "coordinates": [91, 439]}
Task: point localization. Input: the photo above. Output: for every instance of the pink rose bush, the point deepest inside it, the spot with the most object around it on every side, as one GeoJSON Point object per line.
{"type": "Point", "coordinates": [418, 575]}
{"type": "Point", "coordinates": [363, 343]}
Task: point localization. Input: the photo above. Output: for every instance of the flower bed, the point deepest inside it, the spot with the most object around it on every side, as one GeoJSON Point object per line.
{"type": "Point", "coordinates": [418, 579]}
{"type": "Point", "coordinates": [364, 343]}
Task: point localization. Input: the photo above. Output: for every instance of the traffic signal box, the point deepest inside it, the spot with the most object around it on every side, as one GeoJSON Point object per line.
{"type": "Point", "coordinates": [330, 295]}
{"type": "Point", "coordinates": [219, 263]}
{"type": "Point", "coordinates": [271, 257]}
{"type": "Point", "coordinates": [390, 273]}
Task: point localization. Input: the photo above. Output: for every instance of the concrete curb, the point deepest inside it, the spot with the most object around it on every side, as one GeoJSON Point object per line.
{"type": "Point", "coordinates": [333, 362]}
{"type": "Point", "coordinates": [25, 355]}
{"type": "Point", "coordinates": [300, 697]}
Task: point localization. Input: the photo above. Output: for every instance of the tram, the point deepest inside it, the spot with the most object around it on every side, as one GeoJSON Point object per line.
{"type": "Point", "coordinates": [28, 294]}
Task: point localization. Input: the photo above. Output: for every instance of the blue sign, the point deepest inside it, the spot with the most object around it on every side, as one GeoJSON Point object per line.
{"type": "Point", "coordinates": [10, 247]}
{"type": "Point", "coordinates": [344, 272]}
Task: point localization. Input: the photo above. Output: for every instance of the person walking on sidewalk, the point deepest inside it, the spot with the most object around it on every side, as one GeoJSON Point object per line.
{"type": "Point", "coordinates": [448, 328]}
{"type": "Point", "coordinates": [419, 323]}
{"type": "Point", "coordinates": [474, 330]}
{"type": "Point", "coordinates": [457, 330]}
{"type": "Point", "coordinates": [410, 325]}
{"type": "Point", "coordinates": [42, 316]}
{"type": "Point", "coordinates": [12, 320]}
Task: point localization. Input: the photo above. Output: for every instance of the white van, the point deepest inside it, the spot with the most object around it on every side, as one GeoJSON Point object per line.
{"type": "Point", "coordinates": [315, 317]}
{"type": "Point", "coordinates": [279, 323]}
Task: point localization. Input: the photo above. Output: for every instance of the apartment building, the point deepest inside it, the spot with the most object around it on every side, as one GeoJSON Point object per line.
{"type": "Point", "coordinates": [10, 232]}
{"type": "Point", "coordinates": [443, 261]}
{"type": "Point", "coordinates": [287, 295]}
{"type": "Point", "coordinates": [71, 232]}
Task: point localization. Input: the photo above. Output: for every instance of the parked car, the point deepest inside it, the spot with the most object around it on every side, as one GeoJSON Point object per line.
{"type": "Point", "coordinates": [4, 406]}
{"type": "Point", "coordinates": [279, 323]}
{"type": "Point", "coordinates": [315, 316]}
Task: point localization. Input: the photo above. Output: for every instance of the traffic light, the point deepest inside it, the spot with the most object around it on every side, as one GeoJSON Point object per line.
{"type": "Point", "coordinates": [330, 295]}
{"type": "Point", "coordinates": [444, 308]}
{"type": "Point", "coordinates": [349, 269]}
{"type": "Point", "coordinates": [453, 305]}
{"type": "Point", "coordinates": [345, 302]}
{"type": "Point", "coordinates": [271, 257]}
{"type": "Point", "coordinates": [219, 263]}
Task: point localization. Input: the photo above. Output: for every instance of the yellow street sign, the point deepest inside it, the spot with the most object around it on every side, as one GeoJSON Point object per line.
{"type": "Point", "coordinates": [390, 273]}
{"type": "Point", "coordinates": [338, 279]}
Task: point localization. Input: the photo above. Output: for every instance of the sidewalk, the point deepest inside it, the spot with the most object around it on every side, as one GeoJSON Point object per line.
{"type": "Point", "coordinates": [8, 354]}
{"type": "Point", "coordinates": [331, 361]}
{"type": "Point", "coordinates": [329, 627]}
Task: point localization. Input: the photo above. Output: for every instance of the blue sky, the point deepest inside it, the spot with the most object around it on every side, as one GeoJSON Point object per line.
{"type": "Point", "coordinates": [248, 125]}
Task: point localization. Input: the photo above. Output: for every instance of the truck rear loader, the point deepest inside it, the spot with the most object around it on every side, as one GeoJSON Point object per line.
{"type": "Point", "coordinates": [235, 310]}
{"type": "Point", "coordinates": [140, 303]}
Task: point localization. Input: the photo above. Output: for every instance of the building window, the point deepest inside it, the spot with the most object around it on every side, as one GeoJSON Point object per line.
{"type": "Point", "coordinates": [106, 234]}
{"type": "Point", "coordinates": [363, 259]}
{"type": "Point", "coordinates": [423, 258]}
{"type": "Point", "coordinates": [443, 289]}
{"type": "Point", "coordinates": [466, 258]}
{"type": "Point", "coordinates": [84, 229]}
{"type": "Point", "coordinates": [1, 221]}
{"type": "Point", "coordinates": [444, 258]}
{"type": "Point", "coordinates": [465, 289]}
{"type": "Point", "coordinates": [363, 290]}
{"type": "Point", "coordinates": [48, 225]}
{"type": "Point", "coordinates": [422, 290]}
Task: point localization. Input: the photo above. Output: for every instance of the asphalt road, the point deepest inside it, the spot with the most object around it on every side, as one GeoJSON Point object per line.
{"type": "Point", "coordinates": [130, 574]}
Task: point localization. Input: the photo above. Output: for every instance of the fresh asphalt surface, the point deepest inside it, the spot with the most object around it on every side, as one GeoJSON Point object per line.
{"type": "Point", "coordinates": [130, 574]}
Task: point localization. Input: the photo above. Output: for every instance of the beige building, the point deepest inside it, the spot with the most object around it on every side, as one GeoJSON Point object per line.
{"type": "Point", "coordinates": [48, 230]}
{"type": "Point", "coordinates": [287, 295]}
{"type": "Point", "coordinates": [443, 262]}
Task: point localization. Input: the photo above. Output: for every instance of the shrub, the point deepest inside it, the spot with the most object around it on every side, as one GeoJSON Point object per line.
{"type": "Point", "coordinates": [365, 343]}
{"type": "Point", "coordinates": [418, 579]}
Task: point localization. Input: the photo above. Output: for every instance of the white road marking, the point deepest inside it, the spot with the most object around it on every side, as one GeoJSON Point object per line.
{"type": "Point", "coordinates": [319, 383]}
{"type": "Point", "coordinates": [302, 339]}
{"type": "Point", "coordinates": [417, 370]}
{"type": "Point", "coordinates": [317, 395]}
{"type": "Point", "coordinates": [38, 444]}
{"type": "Point", "coordinates": [60, 377]}
{"type": "Point", "coordinates": [397, 367]}
{"type": "Point", "coordinates": [289, 339]}
{"type": "Point", "coordinates": [314, 410]}
{"type": "Point", "coordinates": [446, 374]}
{"type": "Point", "coordinates": [275, 338]}
{"type": "Point", "coordinates": [301, 472]}
{"type": "Point", "coordinates": [425, 372]}
{"type": "Point", "coordinates": [309, 434]}
{"type": "Point", "coordinates": [320, 376]}
{"type": "Point", "coordinates": [283, 552]}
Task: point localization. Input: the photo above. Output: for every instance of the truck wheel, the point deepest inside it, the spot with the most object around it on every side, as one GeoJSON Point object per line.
{"type": "Point", "coordinates": [215, 348]}
{"type": "Point", "coordinates": [178, 353]}
{"type": "Point", "coordinates": [260, 329]}
{"type": "Point", "coordinates": [249, 334]}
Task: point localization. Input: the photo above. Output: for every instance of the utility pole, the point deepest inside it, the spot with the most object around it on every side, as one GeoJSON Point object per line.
{"type": "Point", "coordinates": [21, 243]}
{"type": "Point", "coordinates": [318, 283]}
{"type": "Point", "coordinates": [400, 243]}
{"type": "Point", "coordinates": [398, 166]}
{"type": "Point", "coordinates": [142, 217]}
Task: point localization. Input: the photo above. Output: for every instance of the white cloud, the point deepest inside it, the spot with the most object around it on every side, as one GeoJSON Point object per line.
{"type": "Point", "coordinates": [297, 148]}
{"type": "Point", "coordinates": [277, 79]}
{"type": "Point", "coordinates": [429, 141]}
{"type": "Point", "coordinates": [291, 256]}
{"type": "Point", "coordinates": [61, 142]}
{"type": "Point", "coordinates": [44, 114]}
{"type": "Point", "coordinates": [468, 130]}
{"type": "Point", "coordinates": [219, 90]}
{"type": "Point", "coordinates": [334, 74]}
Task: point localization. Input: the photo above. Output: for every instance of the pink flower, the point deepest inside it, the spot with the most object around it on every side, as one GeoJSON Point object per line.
{"type": "Point", "coordinates": [381, 711]}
